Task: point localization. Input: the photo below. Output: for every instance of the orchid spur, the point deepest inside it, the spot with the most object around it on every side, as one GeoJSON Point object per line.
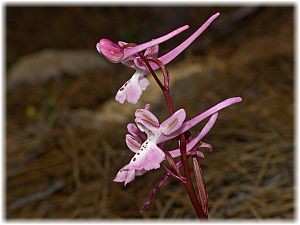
{"type": "Point", "coordinates": [128, 55]}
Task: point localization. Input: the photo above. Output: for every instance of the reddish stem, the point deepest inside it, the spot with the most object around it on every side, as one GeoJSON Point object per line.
{"type": "Point", "coordinates": [189, 185]}
{"type": "Point", "coordinates": [164, 70]}
{"type": "Point", "coordinates": [187, 173]}
{"type": "Point", "coordinates": [165, 89]}
{"type": "Point", "coordinates": [162, 87]}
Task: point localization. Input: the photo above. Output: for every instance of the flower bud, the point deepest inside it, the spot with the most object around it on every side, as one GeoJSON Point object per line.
{"type": "Point", "coordinates": [112, 51]}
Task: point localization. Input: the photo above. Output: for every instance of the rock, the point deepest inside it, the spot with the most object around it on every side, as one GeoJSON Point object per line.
{"type": "Point", "coordinates": [39, 67]}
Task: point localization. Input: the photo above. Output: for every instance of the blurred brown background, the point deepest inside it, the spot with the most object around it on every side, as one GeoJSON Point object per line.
{"type": "Point", "coordinates": [65, 133]}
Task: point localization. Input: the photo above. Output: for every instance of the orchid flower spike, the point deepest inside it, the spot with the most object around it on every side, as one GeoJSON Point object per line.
{"type": "Point", "coordinates": [128, 55]}
{"type": "Point", "coordinates": [144, 137]}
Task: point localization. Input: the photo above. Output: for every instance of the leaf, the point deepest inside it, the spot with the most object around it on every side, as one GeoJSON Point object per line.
{"type": "Point", "coordinates": [200, 185]}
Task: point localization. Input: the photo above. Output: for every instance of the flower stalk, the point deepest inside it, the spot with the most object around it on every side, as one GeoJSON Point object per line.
{"type": "Point", "coordinates": [165, 88]}
{"type": "Point", "coordinates": [188, 184]}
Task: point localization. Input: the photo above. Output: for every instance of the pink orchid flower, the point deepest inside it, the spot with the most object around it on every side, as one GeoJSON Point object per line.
{"type": "Point", "coordinates": [148, 155]}
{"type": "Point", "coordinates": [119, 52]}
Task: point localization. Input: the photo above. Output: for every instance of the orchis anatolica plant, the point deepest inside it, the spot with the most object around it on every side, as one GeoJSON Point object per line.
{"type": "Point", "coordinates": [147, 136]}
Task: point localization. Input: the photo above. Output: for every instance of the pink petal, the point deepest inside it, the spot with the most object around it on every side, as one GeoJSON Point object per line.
{"type": "Point", "coordinates": [121, 94]}
{"type": "Point", "coordinates": [126, 176]}
{"type": "Point", "coordinates": [120, 177]}
{"type": "Point", "coordinates": [134, 90]}
{"type": "Point", "coordinates": [133, 50]}
{"type": "Point", "coordinates": [176, 51]}
{"type": "Point", "coordinates": [130, 177]}
{"type": "Point", "coordinates": [131, 90]}
{"type": "Point", "coordinates": [148, 157]}
{"type": "Point", "coordinates": [140, 172]}
{"type": "Point", "coordinates": [129, 62]}
{"type": "Point", "coordinates": [139, 63]}
{"type": "Point", "coordinates": [135, 131]}
{"type": "Point", "coordinates": [112, 51]}
{"type": "Point", "coordinates": [133, 143]}
{"type": "Point", "coordinates": [189, 124]}
{"type": "Point", "coordinates": [203, 132]}
{"type": "Point", "coordinates": [152, 51]}
{"type": "Point", "coordinates": [199, 137]}
{"type": "Point", "coordinates": [143, 82]}
{"type": "Point", "coordinates": [173, 123]}
{"type": "Point", "coordinates": [144, 118]}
